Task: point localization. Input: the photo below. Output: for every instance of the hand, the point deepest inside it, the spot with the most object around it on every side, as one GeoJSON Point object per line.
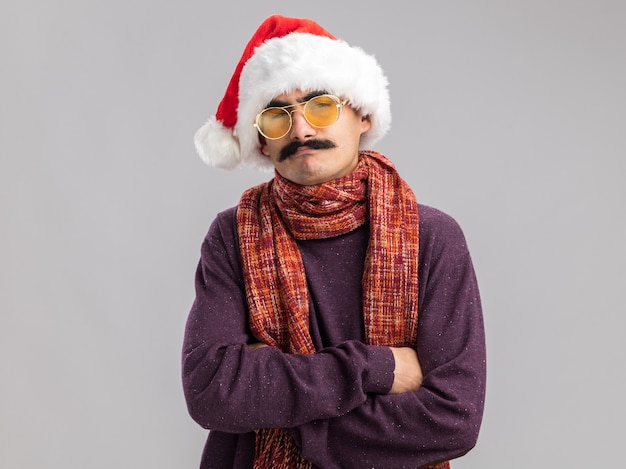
{"type": "Point", "coordinates": [256, 345]}
{"type": "Point", "coordinates": [408, 371]}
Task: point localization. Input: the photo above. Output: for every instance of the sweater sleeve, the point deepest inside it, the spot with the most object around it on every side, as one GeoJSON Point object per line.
{"type": "Point", "coordinates": [230, 388]}
{"type": "Point", "coordinates": [441, 420]}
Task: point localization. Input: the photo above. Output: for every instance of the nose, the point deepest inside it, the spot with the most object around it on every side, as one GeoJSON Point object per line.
{"type": "Point", "coordinates": [300, 128]}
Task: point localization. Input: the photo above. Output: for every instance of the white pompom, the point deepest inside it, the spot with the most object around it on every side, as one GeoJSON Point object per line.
{"type": "Point", "coordinates": [217, 146]}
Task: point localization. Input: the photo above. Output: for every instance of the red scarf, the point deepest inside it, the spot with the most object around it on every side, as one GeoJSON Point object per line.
{"type": "Point", "coordinates": [273, 215]}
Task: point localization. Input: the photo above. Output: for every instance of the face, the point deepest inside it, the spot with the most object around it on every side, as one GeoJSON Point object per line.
{"type": "Point", "coordinates": [315, 155]}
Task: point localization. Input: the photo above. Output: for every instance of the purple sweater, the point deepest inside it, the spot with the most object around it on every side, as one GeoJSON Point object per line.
{"type": "Point", "coordinates": [334, 402]}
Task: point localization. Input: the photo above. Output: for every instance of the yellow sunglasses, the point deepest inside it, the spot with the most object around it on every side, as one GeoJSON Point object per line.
{"type": "Point", "coordinates": [320, 111]}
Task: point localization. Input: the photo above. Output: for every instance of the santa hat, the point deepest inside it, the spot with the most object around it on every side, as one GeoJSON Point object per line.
{"type": "Point", "coordinates": [284, 55]}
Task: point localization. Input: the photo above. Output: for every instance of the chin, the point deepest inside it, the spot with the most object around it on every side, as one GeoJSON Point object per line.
{"type": "Point", "coordinates": [306, 172]}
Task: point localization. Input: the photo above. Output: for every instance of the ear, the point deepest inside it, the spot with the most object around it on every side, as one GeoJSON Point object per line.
{"type": "Point", "coordinates": [366, 124]}
{"type": "Point", "coordinates": [263, 145]}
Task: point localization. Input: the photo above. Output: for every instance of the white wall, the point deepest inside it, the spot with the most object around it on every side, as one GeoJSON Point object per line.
{"type": "Point", "coordinates": [509, 115]}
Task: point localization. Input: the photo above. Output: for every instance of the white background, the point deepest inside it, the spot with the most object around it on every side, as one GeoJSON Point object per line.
{"type": "Point", "coordinates": [508, 115]}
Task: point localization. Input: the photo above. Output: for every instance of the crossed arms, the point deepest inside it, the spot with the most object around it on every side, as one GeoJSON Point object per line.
{"type": "Point", "coordinates": [349, 404]}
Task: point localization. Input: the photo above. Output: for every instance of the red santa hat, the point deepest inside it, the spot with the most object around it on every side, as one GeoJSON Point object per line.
{"type": "Point", "coordinates": [284, 55]}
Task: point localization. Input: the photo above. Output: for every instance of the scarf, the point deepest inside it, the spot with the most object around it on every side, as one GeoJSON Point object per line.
{"type": "Point", "coordinates": [273, 215]}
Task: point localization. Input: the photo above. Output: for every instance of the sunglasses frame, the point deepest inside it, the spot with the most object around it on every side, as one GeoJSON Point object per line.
{"type": "Point", "coordinates": [338, 103]}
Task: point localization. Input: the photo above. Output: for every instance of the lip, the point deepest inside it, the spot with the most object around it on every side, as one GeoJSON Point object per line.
{"type": "Point", "coordinates": [304, 150]}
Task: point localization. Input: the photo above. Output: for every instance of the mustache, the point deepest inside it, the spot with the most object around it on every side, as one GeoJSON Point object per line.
{"type": "Point", "coordinates": [293, 147]}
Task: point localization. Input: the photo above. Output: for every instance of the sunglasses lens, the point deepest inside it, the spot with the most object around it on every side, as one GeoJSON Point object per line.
{"type": "Point", "coordinates": [274, 122]}
{"type": "Point", "coordinates": [321, 111]}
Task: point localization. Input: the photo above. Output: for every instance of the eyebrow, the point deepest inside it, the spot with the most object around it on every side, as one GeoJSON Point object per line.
{"type": "Point", "coordinates": [279, 103]}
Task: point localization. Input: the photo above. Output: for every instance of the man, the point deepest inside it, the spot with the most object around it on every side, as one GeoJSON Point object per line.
{"type": "Point", "coordinates": [337, 324]}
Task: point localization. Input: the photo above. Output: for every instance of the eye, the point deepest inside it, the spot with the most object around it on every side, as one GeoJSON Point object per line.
{"type": "Point", "coordinates": [321, 103]}
{"type": "Point", "coordinates": [275, 113]}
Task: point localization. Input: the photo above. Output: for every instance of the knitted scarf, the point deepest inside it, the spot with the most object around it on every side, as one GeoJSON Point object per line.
{"type": "Point", "coordinates": [273, 215]}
